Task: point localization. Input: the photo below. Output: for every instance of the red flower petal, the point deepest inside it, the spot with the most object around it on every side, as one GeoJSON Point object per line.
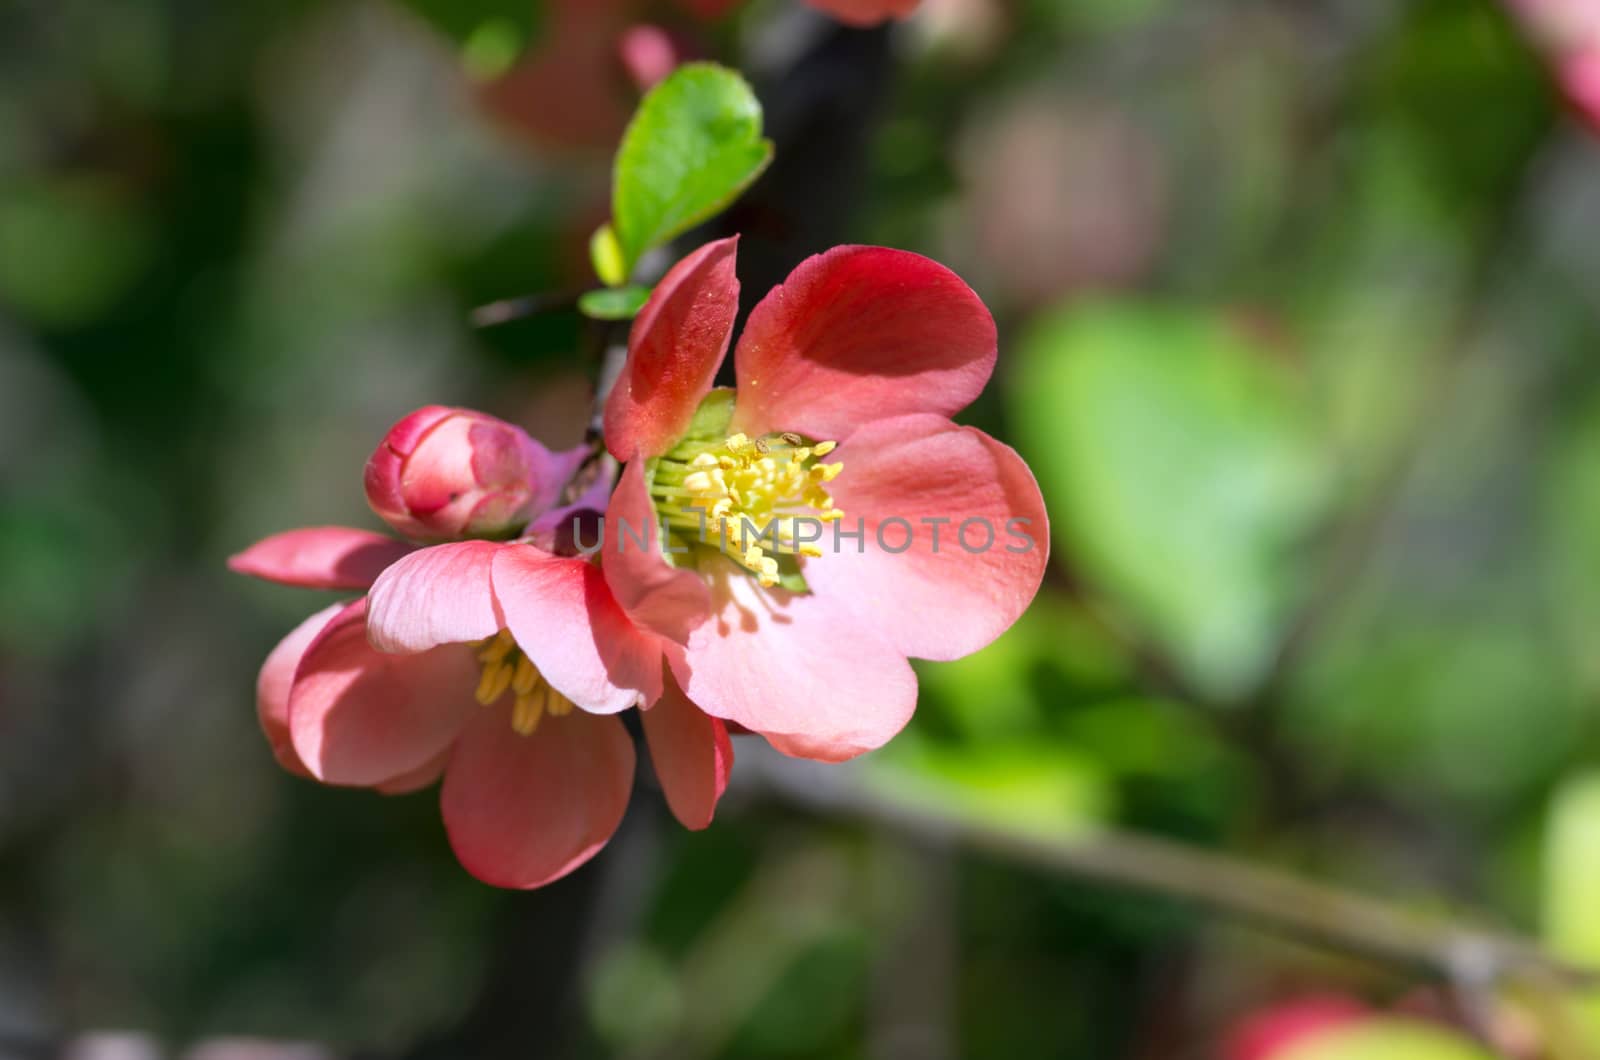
{"type": "Point", "coordinates": [418, 778]}
{"type": "Point", "coordinates": [677, 343]}
{"type": "Point", "coordinates": [794, 668]}
{"type": "Point", "coordinates": [525, 810]}
{"type": "Point", "coordinates": [320, 557]}
{"type": "Point", "coordinates": [865, 12]}
{"type": "Point", "coordinates": [275, 681]}
{"type": "Point", "coordinates": [656, 595]}
{"type": "Point", "coordinates": [438, 595]}
{"type": "Point", "coordinates": [956, 585]}
{"type": "Point", "coordinates": [563, 616]}
{"type": "Point", "coordinates": [691, 753]}
{"type": "Point", "coordinates": [858, 334]}
{"type": "Point", "coordinates": [361, 717]}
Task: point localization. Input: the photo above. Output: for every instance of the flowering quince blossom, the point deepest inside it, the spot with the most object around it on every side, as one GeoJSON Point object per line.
{"type": "Point", "coordinates": [847, 375]}
{"type": "Point", "coordinates": [1268, 1034]}
{"type": "Point", "coordinates": [1569, 30]}
{"type": "Point", "coordinates": [498, 664]}
{"type": "Point", "coordinates": [865, 12]}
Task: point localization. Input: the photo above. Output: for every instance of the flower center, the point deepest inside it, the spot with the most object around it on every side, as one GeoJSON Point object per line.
{"type": "Point", "coordinates": [507, 669]}
{"type": "Point", "coordinates": [754, 499]}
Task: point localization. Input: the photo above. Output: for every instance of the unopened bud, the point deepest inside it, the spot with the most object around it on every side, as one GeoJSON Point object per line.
{"type": "Point", "coordinates": [446, 474]}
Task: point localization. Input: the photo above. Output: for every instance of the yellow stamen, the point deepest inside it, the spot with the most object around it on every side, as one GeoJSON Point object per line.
{"type": "Point", "coordinates": [746, 496]}
{"type": "Point", "coordinates": [526, 677]}
{"type": "Point", "coordinates": [494, 682]}
{"type": "Point", "coordinates": [528, 709]}
{"type": "Point", "coordinates": [507, 668]}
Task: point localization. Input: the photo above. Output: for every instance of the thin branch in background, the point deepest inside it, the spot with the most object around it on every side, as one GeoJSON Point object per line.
{"type": "Point", "coordinates": [508, 310]}
{"type": "Point", "coordinates": [1289, 905]}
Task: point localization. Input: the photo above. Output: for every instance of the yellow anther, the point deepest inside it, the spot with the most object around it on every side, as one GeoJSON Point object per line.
{"type": "Point", "coordinates": [526, 677]}
{"type": "Point", "coordinates": [746, 494]}
{"type": "Point", "coordinates": [528, 709]}
{"type": "Point", "coordinates": [558, 705]}
{"type": "Point", "coordinates": [494, 682]}
{"type": "Point", "coordinates": [496, 647]}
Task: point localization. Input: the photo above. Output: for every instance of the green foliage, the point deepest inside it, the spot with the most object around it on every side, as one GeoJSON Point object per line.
{"type": "Point", "coordinates": [1174, 454]}
{"type": "Point", "coordinates": [1385, 1039]}
{"type": "Point", "coordinates": [693, 146]}
{"type": "Point", "coordinates": [614, 303]}
{"type": "Point", "coordinates": [490, 33]}
{"type": "Point", "coordinates": [1571, 867]}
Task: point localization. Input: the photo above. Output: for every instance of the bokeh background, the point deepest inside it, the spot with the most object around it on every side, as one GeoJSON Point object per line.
{"type": "Point", "coordinates": [1298, 329]}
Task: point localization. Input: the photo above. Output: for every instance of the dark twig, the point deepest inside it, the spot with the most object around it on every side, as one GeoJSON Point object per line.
{"type": "Point", "coordinates": [509, 309]}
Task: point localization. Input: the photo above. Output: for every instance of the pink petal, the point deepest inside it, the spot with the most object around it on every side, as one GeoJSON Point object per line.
{"type": "Point", "coordinates": [564, 618]}
{"type": "Point", "coordinates": [957, 585]}
{"type": "Point", "coordinates": [274, 682]}
{"type": "Point", "coordinates": [438, 595]}
{"type": "Point", "coordinates": [796, 669]}
{"type": "Point", "coordinates": [692, 755]}
{"type": "Point", "coordinates": [364, 718]}
{"type": "Point", "coordinates": [422, 777]}
{"type": "Point", "coordinates": [657, 596]}
{"type": "Point", "coordinates": [858, 334]}
{"type": "Point", "coordinates": [320, 557]}
{"type": "Point", "coordinates": [525, 810]}
{"type": "Point", "coordinates": [865, 12]}
{"type": "Point", "coordinates": [677, 343]}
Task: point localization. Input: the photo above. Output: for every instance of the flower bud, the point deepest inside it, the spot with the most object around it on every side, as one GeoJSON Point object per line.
{"type": "Point", "coordinates": [445, 474]}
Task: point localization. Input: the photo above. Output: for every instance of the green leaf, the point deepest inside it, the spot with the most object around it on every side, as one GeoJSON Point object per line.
{"type": "Point", "coordinates": [1179, 472]}
{"type": "Point", "coordinates": [693, 146]}
{"type": "Point", "coordinates": [495, 26]}
{"type": "Point", "coordinates": [613, 303]}
{"type": "Point", "coordinates": [1385, 1039]}
{"type": "Point", "coordinates": [1571, 867]}
{"type": "Point", "coordinates": [605, 254]}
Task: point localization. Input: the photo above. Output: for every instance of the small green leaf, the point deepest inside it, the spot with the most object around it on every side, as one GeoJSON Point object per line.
{"type": "Point", "coordinates": [605, 253]}
{"type": "Point", "coordinates": [491, 33]}
{"type": "Point", "coordinates": [491, 49]}
{"type": "Point", "coordinates": [613, 303]}
{"type": "Point", "coordinates": [693, 146]}
{"type": "Point", "coordinates": [1385, 1039]}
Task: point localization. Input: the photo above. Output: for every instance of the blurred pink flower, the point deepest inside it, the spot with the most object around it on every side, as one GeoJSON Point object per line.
{"type": "Point", "coordinates": [865, 12]}
{"type": "Point", "coordinates": [1569, 32]}
{"type": "Point", "coordinates": [873, 346]}
{"type": "Point", "coordinates": [1272, 1031]}
{"type": "Point", "coordinates": [498, 665]}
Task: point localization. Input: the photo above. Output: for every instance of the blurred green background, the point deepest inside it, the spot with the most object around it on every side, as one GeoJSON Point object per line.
{"type": "Point", "coordinates": [1298, 329]}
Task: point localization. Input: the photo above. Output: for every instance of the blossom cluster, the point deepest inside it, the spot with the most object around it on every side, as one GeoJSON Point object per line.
{"type": "Point", "coordinates": [490, 650]}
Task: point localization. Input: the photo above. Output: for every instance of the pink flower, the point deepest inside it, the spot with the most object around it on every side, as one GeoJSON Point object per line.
{"type": "Point", "coordinates": [498, 665]}
{"type": "Point", "coordinates": [865, 12]}
{"type": "Point", "coordinates": [444, 474]}
{"type": "Point", "coordinates": [1273, 1031]}
{"type": "Point", "coordinates": [1569, 31]}
{"type": "Point", "coordinates": [803, 640]}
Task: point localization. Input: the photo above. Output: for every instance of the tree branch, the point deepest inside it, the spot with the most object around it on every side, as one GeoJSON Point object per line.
{"type": "Point", "coordinates": [1278, 901]}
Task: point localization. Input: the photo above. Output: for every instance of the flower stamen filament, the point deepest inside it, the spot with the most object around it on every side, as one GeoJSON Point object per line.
{"type": "Point", "coordinates": [750, 498]}
{"type": "Point", "coordinates": [507, 669]}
